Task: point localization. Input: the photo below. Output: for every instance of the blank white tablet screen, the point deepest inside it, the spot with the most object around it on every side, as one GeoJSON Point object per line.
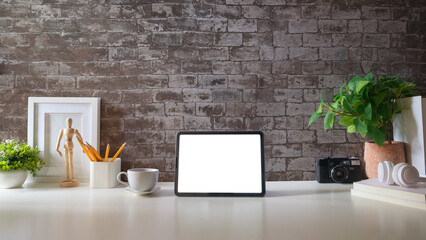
{"type": "Point", "coordinates": [220, 163]}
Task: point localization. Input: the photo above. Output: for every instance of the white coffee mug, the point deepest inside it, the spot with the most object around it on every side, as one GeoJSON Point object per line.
{"type": "Point", "coordinates": [140, 179]}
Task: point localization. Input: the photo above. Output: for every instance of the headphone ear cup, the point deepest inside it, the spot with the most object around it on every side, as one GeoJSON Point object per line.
{"type": "Point", "coordinates": [408, 176]}
{"type": "Point", "coordinates": [384, 172]}
{"type": "Point", "coordinates": [389, 167]}
{"type": "Point", "coordinates": [395, 172]}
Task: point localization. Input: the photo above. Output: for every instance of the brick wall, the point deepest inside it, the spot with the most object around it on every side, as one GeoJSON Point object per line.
{"type": "Point", "coordinates": [163, 66]}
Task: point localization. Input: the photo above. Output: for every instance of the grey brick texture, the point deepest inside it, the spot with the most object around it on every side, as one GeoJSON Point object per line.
{"type": "Point", "coordinates": [165, 66]}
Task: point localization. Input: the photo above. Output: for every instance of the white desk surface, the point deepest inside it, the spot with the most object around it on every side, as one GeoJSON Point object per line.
{"type": "Point", "coordinates": [290, 210]}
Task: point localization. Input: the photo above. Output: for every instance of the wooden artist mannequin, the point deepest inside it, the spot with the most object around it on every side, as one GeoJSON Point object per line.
{"type": "Point", "coordinates": [68, 149]}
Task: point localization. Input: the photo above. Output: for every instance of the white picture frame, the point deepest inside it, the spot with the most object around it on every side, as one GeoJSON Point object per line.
{"type": "Point", "coordinates": [46, 117]}
{"type": "Point", "coordinates": [409, 127]}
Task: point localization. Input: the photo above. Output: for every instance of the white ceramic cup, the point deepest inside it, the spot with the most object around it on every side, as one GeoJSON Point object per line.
{"type": "Point", "coordinates": [140, 179]}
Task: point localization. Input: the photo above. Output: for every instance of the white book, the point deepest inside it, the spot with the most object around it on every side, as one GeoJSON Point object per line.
{"type": "Point", "coordinates": [372, 185]}
{"type": "Point", "coordinates": [373, 189]}
{"type": "Point", "coordinates": [384, 198]}
{"type": "Point", "coordinates": [410, 127]}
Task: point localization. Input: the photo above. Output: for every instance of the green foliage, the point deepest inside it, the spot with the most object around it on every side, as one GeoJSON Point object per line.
{"type": "Point", "coordinates": [366, 106]}
{"type": "Point", "coordinates": [15, 155]}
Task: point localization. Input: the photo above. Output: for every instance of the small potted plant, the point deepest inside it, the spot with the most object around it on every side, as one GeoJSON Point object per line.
{"type": "Point", "coordinates": [17, 159]}
{"type": "Point", "coordinates": [368, 107]}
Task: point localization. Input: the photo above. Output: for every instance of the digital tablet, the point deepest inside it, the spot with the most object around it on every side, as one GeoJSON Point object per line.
{"type": "Point", "coordinates": [219, 163]}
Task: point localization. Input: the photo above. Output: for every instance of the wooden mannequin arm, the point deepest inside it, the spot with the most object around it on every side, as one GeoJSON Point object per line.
{"type": "Point", "coordinates": [61, 133]}
{"type": "Point", "coordinates": [78, 136]}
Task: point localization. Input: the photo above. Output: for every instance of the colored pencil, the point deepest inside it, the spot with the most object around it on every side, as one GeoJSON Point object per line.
{"type": "Point", "coordinates": [93, 150]}
{"type": "Point", "coordinates": [89, 154]}
{"type": "Point", "coordinates": [85, 150]}
{"type": "Point", "coordinates": [118, 152]}
{"type": "Point", "coordinates": [106, 153]}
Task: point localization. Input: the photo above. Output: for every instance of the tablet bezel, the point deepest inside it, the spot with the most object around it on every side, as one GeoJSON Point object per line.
{"type": "Point", "coordinates": [203, 194]}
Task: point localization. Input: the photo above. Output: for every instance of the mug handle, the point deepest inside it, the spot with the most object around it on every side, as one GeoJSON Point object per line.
{"type": "Point", "coordinates": [119, 180]}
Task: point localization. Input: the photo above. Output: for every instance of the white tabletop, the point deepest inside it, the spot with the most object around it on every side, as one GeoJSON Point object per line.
{"type": "Point", "coordinates": [290, 210]}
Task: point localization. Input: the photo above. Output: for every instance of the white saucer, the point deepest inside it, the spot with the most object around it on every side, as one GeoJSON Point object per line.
{"type": "Point", "coordinates": [155, 189]}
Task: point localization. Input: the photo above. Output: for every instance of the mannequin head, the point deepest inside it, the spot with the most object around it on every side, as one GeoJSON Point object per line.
{"type": "Point", "coordinates": [69, 122]}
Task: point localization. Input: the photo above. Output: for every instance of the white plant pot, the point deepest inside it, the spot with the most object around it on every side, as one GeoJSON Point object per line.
{"type": "Point", "coordinates": [13, 178]}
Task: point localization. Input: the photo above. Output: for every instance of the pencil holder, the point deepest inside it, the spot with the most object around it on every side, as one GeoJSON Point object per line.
{"type": "Point", "coordinates": [104, 174]}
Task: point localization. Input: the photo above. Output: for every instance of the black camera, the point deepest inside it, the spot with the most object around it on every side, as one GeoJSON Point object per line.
{"type": "Point", "coordinates": [338, 170]}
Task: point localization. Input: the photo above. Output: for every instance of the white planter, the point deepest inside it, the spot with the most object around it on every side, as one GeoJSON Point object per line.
{"type": "Point", "coordinates": [13, 178]}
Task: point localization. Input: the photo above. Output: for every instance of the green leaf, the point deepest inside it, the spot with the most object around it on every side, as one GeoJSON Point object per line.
{"type": "Point", "coordinates": [335, 106]}
{"type": "Point", "coordinates": [314, 117]}
{"type": "Point", "coordinates": [368, 112]}
{"type": "Point", "coordinates": [365, 92]}
{"type": "Point", "coordinates": [341, 90]}
{"type": "Point", "coordinates": [360, 126]}
{"type": "Point", "coordinates": [329, 120]}
{"type": "Point", "coordinates": [380, 97]}
{"type": "Point", "coordinates": [321, 103]}
{"type": "Point", "coordinates": [361, 85]}
{"type": "Point", "coordinates": [407, 85]}
{"type": "Point", "coordinates": [378, 135]}
{"type": "Point", "coordinates": [346, 121]}
{"type": "Point", "coordinates": [386, 111]}
{"type": "Point", "coordinates": [409, 93]}
{"type": "Point", "coordinates": [348, 98]}
{"type": "Point", "coordinates": [354, 82]}
{"type": "Point", "coordinates": [369, 77]}
{"type": "Point", "coordinates": [351, 129]}
{"type": "Point", "coordinates": [347, 107]}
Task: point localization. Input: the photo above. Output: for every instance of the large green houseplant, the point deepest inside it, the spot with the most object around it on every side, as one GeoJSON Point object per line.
{"type": "Point", "coordinates": [17, 159]}
{"type": "Point", "coordinates": [366, 106]}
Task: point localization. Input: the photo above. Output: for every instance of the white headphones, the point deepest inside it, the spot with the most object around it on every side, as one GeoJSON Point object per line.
{"type": "Point", "coordinates": [402, 174]}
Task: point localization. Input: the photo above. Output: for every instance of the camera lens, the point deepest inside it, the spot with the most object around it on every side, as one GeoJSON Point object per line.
{"type": "Point", "coordinates": [339, 174]}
